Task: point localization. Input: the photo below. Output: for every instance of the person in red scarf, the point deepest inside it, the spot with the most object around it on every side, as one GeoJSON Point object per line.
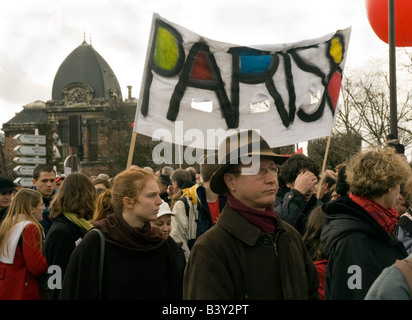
{"type": "Point", "coordinates": [358, 239]}
{"type": "Point", "coordinates": [250, 253]}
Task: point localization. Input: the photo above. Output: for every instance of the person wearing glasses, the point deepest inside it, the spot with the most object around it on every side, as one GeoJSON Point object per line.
{"type": "Point", "coordinates": [250, 253]}
{"type": "Point", "coordinates": [44, 181]}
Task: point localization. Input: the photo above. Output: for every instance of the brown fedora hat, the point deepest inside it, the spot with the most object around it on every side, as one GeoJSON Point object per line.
{"type": "Point", "coordinates": [236, 147]}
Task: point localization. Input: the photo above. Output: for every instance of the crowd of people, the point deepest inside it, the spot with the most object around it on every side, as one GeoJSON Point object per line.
{"type": "Point", "coordinates": [283, 230]}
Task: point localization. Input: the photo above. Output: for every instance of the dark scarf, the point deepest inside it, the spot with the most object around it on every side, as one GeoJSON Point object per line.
{"type": "Point", "coordinates": [386, 218]}
{"type": "Point", "coordinates": [264, 220]}
{"type": "Point", "coordinates": [120, 233]}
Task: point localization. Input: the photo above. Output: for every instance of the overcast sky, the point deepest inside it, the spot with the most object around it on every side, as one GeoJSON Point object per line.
{"type": "Point", "coordinates": [36, 36]}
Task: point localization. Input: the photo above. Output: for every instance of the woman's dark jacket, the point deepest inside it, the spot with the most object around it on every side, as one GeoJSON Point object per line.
{"type": "Point", "coordinates": [61, 240]}
{"type": "Point", "coordinates": [138, 264]}
{"type": "Point", "coordinates": [357, 249]}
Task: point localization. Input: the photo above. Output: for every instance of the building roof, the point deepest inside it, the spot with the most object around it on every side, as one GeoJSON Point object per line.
{"type": "Point", "coordinates": [85, 65]}
{"type": "Point", "coordinates": [34, 112]}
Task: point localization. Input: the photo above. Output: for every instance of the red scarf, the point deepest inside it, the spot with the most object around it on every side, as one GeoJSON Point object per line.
{"type": "Point", "coordinates": [386, 218]}
{"type": "Point", "coordinates": [264, 220]}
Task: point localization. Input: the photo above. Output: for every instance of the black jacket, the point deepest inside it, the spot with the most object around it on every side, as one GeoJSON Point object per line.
{"type": "Point", "coordinates": [138, 265]}
{"type": "Point", "coordinates": [357, 249]}
{"type": "Point", "coordinates": [3, 213]}
{"type": "Point", "coordinates": [61, 240]}
{"type": "Point", "coordinates": [46, 222]}
{"type": "Point", "coordinates": [293, 208]}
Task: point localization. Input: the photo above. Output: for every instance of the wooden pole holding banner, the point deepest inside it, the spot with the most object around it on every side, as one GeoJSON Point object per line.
{"type": "Point", "coordinates": [180, 156]}
{"type": "Point", "coordinates": [131, 150]}
{"type": "Point", "coordinates": [324, 164]}
{"type": "Point", "coordinates": [134, 134]}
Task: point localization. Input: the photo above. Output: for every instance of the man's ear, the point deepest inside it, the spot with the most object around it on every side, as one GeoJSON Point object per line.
{"type": "Point", "coordinates": [229, 180]}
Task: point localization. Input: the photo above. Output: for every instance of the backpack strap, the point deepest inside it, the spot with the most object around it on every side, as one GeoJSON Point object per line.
{"type": "Point", "coordinates": [100, 273]}
{"type": "Point", "coordinates": [405, 265]}
{"type": "Point", "coordinates": [186, 203]}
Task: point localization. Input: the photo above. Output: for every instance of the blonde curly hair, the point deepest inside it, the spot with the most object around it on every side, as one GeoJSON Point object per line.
{"type": "Point", "coordinates": [372, 172]}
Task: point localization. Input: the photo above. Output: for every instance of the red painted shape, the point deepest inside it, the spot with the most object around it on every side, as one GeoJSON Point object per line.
{"type": "Point", "coordinates": [201, 68]}
{"type": "Point", "coordinates": [334, 88]}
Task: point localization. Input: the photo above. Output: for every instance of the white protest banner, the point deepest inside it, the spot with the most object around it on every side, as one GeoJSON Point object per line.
{"type": "Point", "coordinates": [288, 92]}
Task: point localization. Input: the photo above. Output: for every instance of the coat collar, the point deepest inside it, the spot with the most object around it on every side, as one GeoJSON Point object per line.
{"type": "Point", "coordinates": [234, 223]}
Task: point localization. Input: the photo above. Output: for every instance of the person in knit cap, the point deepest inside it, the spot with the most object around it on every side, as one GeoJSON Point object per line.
{"type": "Point", "coordinates": [250, 253]}
{"type": "Point", "coordinates": [7, 188]}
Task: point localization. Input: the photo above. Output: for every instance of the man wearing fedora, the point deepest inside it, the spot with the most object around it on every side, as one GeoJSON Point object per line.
{"type": "Point", "coordinates": [7, 188]}
{"type": "Point", "coordinates": [250, 253]}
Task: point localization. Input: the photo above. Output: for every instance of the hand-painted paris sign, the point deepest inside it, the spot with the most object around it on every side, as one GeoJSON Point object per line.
{"type": "Point", "coordinates": [289, 91]}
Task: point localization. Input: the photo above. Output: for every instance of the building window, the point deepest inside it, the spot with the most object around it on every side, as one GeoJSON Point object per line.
{"type": "Point", "coordinates": [93, 151]}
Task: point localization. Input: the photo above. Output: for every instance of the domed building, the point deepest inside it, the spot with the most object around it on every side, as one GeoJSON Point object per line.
{"type": "Point", "coordinates": [85, 98]}
{"type": "Point", "coordinates": [85, 76]}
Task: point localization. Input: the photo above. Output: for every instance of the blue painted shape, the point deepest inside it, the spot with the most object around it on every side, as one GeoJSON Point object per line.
{"type": "Point", "coordinates": [255, 64]}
